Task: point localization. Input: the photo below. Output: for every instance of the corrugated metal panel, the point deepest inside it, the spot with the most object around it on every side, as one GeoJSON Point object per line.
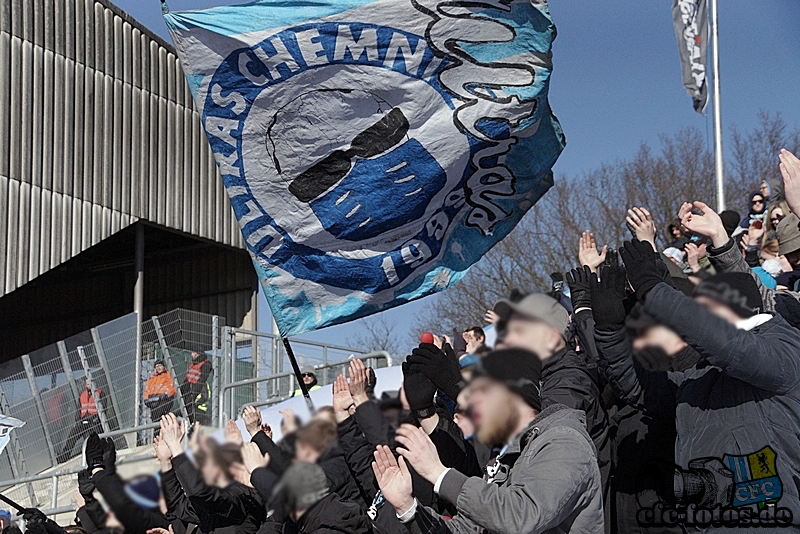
{"type": "Point", "coordinates": [97, 130]}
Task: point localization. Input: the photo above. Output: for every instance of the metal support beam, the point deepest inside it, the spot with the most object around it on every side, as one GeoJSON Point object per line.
{"type": "Point", "coordinates": [162, 342]}
{"type": "Point", "coordinates": [138, 308]}
{"type": "Point", "coordinates": [37, 399]}
{"type": "Point", "coordinates": [98, 401]}
{"type": "Point", "coordinates": [101, 355]}
{"type": "Point", "coordinates": [19, 466]}
{"type": "Point", "coordinates": [64, 355]}
{"type": "Point", "coordinates": [719, 160]}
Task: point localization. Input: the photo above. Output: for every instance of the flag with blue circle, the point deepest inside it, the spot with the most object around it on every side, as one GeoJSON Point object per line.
{"type": "Point", "coordinates": [372, 150]}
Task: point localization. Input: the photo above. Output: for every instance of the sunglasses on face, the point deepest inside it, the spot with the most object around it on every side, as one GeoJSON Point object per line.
{"type": "Point", "coordinates": [757, 202]}
{"type": "Point", "coordinates": [777, 218]}
{"type": "Point", "coordinates": [304, 375]}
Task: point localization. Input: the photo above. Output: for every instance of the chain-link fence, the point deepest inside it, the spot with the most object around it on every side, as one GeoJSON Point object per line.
{"type": "Point", "coordinates": [89, 382]}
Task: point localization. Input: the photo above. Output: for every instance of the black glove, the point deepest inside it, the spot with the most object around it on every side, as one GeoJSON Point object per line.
{"type": "Point", "coordinates": [109, 457]}
{"type": "Point", "coordinates": [644, 267]}
{"type": "Point", "coordinates": [440, 366]}
{"type": "Point", "coordinates": [94, 452]}
{"type": "Point", "coordinates": [579, 288]}
{"type": "Point", "coordinates": [86, 485]}
{"type": "Point", "coordinates": [419, 392]}
{"type": "Point", "coordinates": [38, 522]}
{"type": "Point", "coordinates": [607, 295]}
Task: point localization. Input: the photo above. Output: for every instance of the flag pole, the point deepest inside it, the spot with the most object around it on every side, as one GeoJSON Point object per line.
{"type": "Point", "coordinates": [298, 374]}
{"type": "Point", "coordinates": [719, 162]}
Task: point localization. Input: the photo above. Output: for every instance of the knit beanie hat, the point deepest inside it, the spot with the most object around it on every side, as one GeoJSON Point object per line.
{"type": "Point", "coordinates": [737, 291]}
{"type": "Point", "coordinates": [144, 491]}
{"type": "Point", "coordinates": [520, 370]}
{"type": "Point", "coordinates": [302, 486]}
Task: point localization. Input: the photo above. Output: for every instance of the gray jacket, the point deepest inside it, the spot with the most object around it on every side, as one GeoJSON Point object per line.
{"type": "Point", "coordinates": [728, 259]}
{"type": "Point", "coordinates": [743, 395]}
{"type": "Point", "coordinates": [545, 480]}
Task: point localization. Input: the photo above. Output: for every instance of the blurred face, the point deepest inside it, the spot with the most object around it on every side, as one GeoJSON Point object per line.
{"type": "Point", "coordinates": [494, 411]}
{"type": "Point", "coordinates": [764, 189]}
{"type": "Point", "coordinates": [303, 452]}
{"type": "Point", "coordinates": [535, 336]}
{"type": "Point", "coordinates": [659, 336]}
{"type": "Point", "coordinates": [757, 204]}
{"type": "Point", "coordinates": [195, 355]}
{"type": "Point", "coordinates": [308, 378]}
{"type": "Point", "coordinates": [718, 309]}
{"type": "Point", "coordinates": [676, 232]}
{"type": "Point", "coordinates": [87, 384]}
{"type": "Point", "coordinates": [160, 369]}
{"type": "Point", "coordinates": [211, 471]}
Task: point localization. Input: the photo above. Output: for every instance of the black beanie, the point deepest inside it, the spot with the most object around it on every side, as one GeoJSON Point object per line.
{"type": "Point", "coordinates": [737, 291]}
{"type": "Point", "coordinates": [730, 220]}
{"type": "Point", "coordinates": [520, 370]}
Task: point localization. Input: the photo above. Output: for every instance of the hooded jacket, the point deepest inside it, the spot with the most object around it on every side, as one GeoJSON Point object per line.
{"type": "Point", "coordinates": [570, 379]}
{"type": "Point", "coordinates": [545, 480]}
{"type": "Point", "coordinates": [741, 397]}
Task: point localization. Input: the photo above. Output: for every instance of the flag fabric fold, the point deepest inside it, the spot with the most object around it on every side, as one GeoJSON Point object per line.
{"type": "Point", "coordinates": [372, 150]}
{"type": "Point", "coordinates": [691, 28]}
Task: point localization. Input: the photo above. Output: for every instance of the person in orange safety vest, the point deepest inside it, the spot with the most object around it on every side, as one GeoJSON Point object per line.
{"type": "Point", "coordinates": [159, 393]}
{"type": "Point", "coordinates": [87, 420]}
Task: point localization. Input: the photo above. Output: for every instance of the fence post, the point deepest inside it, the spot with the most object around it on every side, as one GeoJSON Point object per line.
{"type": "Point", "coordinates": [64, 355]}
{"type": "Point", "coordinates": [162, 342]}
{"type": "Point", "coordinates": [101, 355]}
{"type": "Point", "coordinates": [54, 493]}
{"type": "Point", "coordinates": [37, 398]}
{"type": "Point", "coordinates": [16, 458]}
{"type": "Point", "coordinates": [234, 358]}
{"type": "Point", "coordinates": [216, 376]}
{"type": "Point", "coordinates": [98, 402]}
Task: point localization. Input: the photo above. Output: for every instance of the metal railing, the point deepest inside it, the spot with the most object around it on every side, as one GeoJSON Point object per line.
{"type": "Point", "coordinates": [284, 385]}
{"type": "Point", "coordinates": [44, 388]}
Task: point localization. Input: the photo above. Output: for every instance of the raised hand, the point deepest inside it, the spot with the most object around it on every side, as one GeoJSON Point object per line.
{"type": "Point", "coordinates": [708, 224]}
{"type": "Point", "coordinates": [588, 253]}
{"type": "Point", "coordinates": [491, 317]}
{"type": "Point", "coordinates": [359, 377]}
{"type": "Point", "coordinates": [252, 457]}
{"type": "Point", "coordinates": [640, 220]}
{"type": "Point", "coordinates": [163, 453]}
{"type": "Point", "coordinates": [252, 419]}
{"type": "Point", "coordinates": [645, 270]}
{"type": "Point", "coordinates": [440, 365]}
{"type": "Point", "coordinates": [289, 420]}
{"type": "Point", "coordinates": [241, 474]}
{"type": "Point", "coordinates": [420, 452]}
{"type": "Point", "coordinates": [172, 432]}
{"type": "Point", "coordinates": [608, 293]}
{"type": "Point", "coordinates": [694, 254]}
{"type": "Point", "coordinates": [232, 433]}
{"type": "Point", "coordinates": [790, 170]}
{"type": "Point", "coordinates": [393, 478]}
{"type": "Point", "coordinates": [343, 403]}
{"type": "Point", "coordinates": [579, 285]}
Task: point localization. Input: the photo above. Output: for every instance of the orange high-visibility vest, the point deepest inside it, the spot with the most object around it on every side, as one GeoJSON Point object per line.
{"type": "Point", "coordinates": [159, 385]}
{"type": "Point", "coordinates": [193, 374]}
{"type": "Point", "coordinates": [88, 404]}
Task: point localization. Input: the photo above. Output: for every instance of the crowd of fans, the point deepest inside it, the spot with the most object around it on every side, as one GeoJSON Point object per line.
{"type": "Point", "coordinates": [658, 393]}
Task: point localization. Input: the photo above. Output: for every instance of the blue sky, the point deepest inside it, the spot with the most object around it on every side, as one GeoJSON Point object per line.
{"type": "Point", "coordinates": [616, 83]}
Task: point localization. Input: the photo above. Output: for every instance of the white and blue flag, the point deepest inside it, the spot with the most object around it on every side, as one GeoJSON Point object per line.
{"type": "Point", "coordinates": [372, 150]}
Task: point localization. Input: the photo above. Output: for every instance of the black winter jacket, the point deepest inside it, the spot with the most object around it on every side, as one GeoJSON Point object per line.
{"type": "Point", "coordinates": [331, 515]}
{"type": "Point", "coordinates": [235, 509]}
{"type": "Point", "coordinates": [136, 519]}
{"type": "Point", "coordinates": [743, 396]}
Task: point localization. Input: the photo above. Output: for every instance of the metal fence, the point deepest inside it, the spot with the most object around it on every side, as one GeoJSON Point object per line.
{"type": "Point", "coordinates": [43, 388]}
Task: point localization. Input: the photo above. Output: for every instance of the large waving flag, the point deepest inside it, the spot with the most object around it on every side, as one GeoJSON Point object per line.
{"type": "Point", "coordinates": [372, 150]}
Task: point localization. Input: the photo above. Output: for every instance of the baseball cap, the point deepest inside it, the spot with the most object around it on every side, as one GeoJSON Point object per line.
{"type": "Point", "coordinates": [536, 306]}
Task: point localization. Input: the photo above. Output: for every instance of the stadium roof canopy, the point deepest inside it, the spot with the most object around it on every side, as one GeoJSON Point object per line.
{"type": "Point", "coordinates": [98, 134]}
